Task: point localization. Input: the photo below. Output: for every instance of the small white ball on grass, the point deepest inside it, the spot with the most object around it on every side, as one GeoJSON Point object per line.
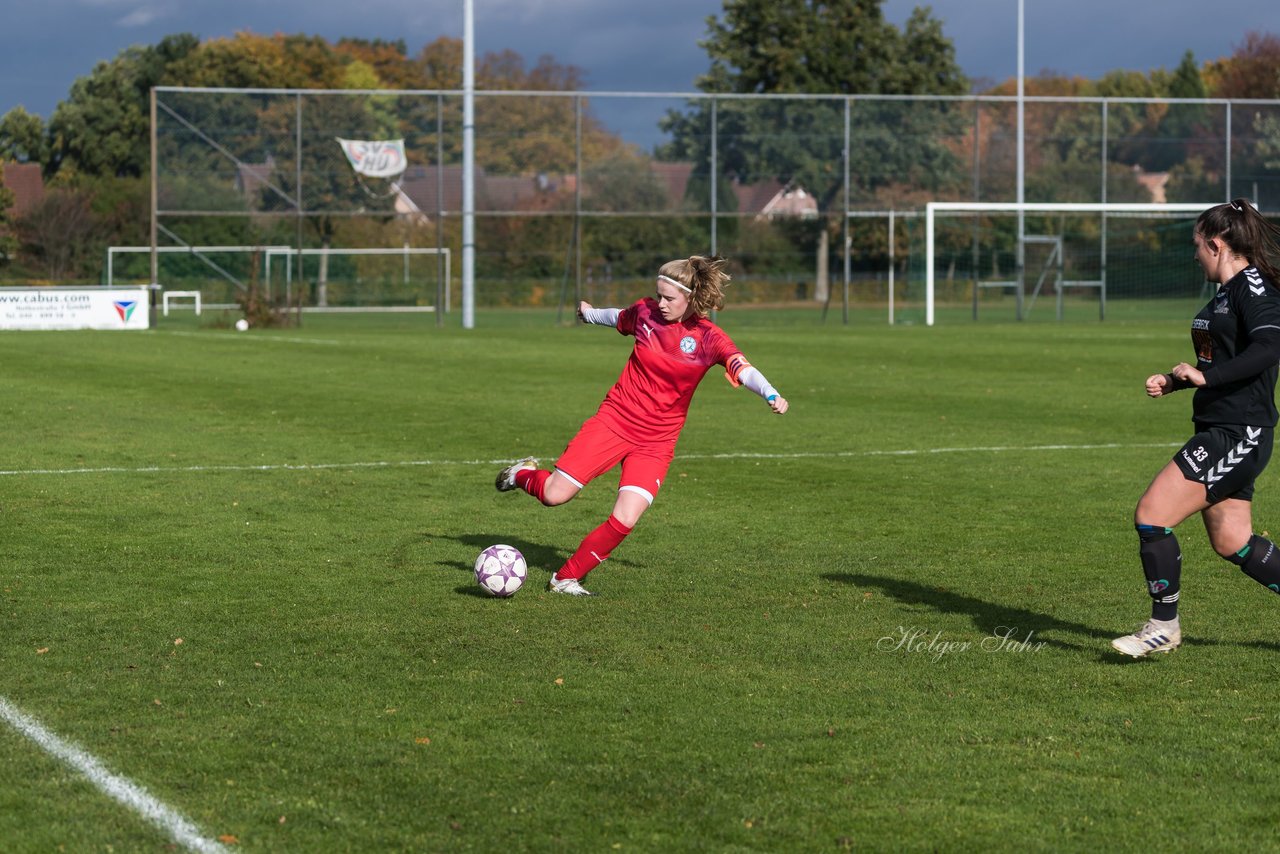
{"type": "Point", "coordinates": [242, 325]}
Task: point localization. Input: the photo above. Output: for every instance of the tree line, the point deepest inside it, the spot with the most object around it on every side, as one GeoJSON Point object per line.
{"type": "Point", "coordinates": [94, 151]}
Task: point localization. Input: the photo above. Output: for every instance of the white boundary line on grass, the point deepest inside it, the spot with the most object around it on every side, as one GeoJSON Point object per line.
{"type": "Point", "coordinates": [919, 452]}
{"type": "Point", "coordinates": [234, 336]}
{"type": "Point", "coordinates": [909, 452]}
{"type": "Point", "coordinates": [130, 794]}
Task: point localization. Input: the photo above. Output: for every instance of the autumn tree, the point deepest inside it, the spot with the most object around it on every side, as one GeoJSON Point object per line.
{"type": "Point", "coordinates": [58, 233]}
{"type": "Point", "coordinates": [1252, 70]}
{"type": "Point", "coordinates": [1182, 130]}
{"type": "Point", "coordinates": [805, 47]}
{"type": "Point", "coordinates": [388, 60]}
{"type": "Point", "coordinates": [238, 153]}
{"type": "Point", "coordinates": [523, 134]}
{"type": "Point", "coordinates": [8, 241]}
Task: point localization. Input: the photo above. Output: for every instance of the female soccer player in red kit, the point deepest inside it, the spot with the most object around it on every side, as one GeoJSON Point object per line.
{"type": "Point", "coordinates": [640, 418]}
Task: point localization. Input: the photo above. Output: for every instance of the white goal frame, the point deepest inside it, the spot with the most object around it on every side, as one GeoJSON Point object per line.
{"type": "Point", "coordinates": [407, 251]}
{"type": "Point", "coordinates": [933, 208]}
{"type": "Point", "coordinates": [113, 251]}
{"type": "Point", "coordinates": [270, 252]}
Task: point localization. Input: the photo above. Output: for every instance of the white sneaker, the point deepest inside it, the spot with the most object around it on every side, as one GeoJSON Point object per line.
{"type": "Point", "coordinates": [569, 586]}
{"type": "Point", "coordinates": [1155, 636]}
{"type": "Point", "coordinates": [507, 477]}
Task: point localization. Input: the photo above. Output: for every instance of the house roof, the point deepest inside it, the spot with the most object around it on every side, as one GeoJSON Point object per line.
{"type": "Point", "coordinates": [790, 201]}
{"type": "Point", "coordinates": [428, 189]}
{"type": "Point", "coordinates": [251, 178]}
{"type": "Point", "coordinates": [674, 178]}
{"type": "Point", "coordinates": [756, 198]}
{"type": "Point", "coordinates": [433, 188]}
{"type": "Point", "coordinates": [26, 182]}
{"type": "Point", "coordinates": [1155, 183]}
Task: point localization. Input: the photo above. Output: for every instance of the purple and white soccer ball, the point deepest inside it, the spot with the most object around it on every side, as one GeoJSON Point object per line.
{"type": "Point", "coordinates": [500, 570]}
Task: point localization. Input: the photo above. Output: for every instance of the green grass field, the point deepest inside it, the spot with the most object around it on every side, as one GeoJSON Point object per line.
{"type": "Point", "coordinates": [236, 571]}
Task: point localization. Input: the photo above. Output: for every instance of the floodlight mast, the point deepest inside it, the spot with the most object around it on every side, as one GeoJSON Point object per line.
{"type": "Point", "coordinates": [1022, 161]}
{"type": "Point", "coordinates": [155, 199]}
{"type": "Point", "coordinates": [468, 167]}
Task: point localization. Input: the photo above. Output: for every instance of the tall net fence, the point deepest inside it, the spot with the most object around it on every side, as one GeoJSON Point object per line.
{"type": "Point", "coordinates": [1074, 263]}
{"type": "Point", "coordinates": [372, 278]}
{"type": "Point", "coordinates": [816, 200]}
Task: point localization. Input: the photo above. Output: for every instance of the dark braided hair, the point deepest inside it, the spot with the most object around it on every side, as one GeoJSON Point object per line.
{"type": "Point", "coordinates": [1246, 232]}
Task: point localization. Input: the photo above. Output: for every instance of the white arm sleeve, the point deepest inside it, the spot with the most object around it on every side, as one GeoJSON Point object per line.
{"type": "Point", "coordinates": [754, 380]}
{"type": "Point", "coordinates": [602, 316]}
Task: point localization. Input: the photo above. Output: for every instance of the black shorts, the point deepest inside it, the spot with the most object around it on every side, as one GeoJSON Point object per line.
{"type": "Point", "coordinates": [1227, 460]}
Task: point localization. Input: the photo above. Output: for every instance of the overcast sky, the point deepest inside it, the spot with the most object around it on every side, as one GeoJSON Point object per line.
{"type": "Point", "coordinates": [621, 45]}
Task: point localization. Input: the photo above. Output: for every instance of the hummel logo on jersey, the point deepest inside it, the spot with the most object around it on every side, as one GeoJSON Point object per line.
{"type": "Point", "coordinates": [1198, 454]}
{"type": "Point", "coordinates": [1255, 281]}
{"type": "Point", "coordinates": [1234, 456]}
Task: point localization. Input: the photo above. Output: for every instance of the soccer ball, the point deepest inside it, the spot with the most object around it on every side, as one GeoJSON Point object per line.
{"type": "Point", "coordinates": [242, 325]}
{"type": "Point", "coordinates": [500, 570]}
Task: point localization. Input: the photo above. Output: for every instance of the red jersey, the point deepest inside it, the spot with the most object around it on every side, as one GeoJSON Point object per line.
{"type": "Point", "coordinates": [650, 401]}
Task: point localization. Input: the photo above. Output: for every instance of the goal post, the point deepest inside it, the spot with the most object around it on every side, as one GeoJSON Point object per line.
{"type": "Point", "coordinates": [205, 254]}
{"type": "Point", "coordinates": [369, 279]}
{"type": "Point", "coordinates": [936, 210]}
{"type": "Point", "coordinates": [404, 256]}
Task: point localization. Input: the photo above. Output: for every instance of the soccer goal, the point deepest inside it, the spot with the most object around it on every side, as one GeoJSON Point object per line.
{"type": "Point", "coordinates": [369, 279]}
{"type": "Point", "coordinates": [994, 253]}
{"type": "Point", "coordinates": [132, 263]}
{"type": "Point", "coordinates": [337, 279]}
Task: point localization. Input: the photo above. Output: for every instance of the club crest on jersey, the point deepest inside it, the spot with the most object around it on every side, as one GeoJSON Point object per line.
{"type": "Point", "coordinates": [688, 345]}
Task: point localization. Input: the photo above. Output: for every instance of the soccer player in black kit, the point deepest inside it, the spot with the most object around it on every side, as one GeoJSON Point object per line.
{"type": "Point", "coordinates": [1237, 342]}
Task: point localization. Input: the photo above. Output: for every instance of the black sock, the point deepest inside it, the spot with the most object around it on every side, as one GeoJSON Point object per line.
{"type": "Point", "coordinates": [1259, 560]}
{"type": "Point", "coordinates": [1162, 566]}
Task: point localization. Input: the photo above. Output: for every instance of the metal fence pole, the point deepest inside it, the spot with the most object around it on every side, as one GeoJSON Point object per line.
{"type": "Point", "coordinates": [848, 238]}
{"type": "Point", "coordinates": [713, 183]}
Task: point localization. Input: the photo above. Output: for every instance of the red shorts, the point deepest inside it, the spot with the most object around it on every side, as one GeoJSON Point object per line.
{"type": "Point", "coordinates": [597, 448]}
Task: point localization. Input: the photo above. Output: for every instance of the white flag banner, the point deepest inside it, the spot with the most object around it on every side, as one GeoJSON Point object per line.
{"type": "Point", "coordinates": [377, 158]}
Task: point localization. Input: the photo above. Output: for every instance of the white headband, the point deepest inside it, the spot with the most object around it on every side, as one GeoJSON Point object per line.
{"type": "Point", "coordinates": [671, 281]}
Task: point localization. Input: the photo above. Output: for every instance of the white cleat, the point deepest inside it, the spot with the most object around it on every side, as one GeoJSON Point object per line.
{"type": "Point", "coordinates": [569, 587]}
{"type": "Point", "coordinates": [507, 477]}
{"type": "Point", "coordinates": [1155, 636]}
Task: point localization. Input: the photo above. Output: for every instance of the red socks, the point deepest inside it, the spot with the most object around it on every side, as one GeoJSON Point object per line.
{"type": "Point", "coordinates": [532, 481]}
{"type": "Point", "coordinates": [594, 549]}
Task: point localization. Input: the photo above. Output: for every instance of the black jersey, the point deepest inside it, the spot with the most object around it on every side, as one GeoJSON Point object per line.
{"type": "Point", "coordinates": [1237, 341]}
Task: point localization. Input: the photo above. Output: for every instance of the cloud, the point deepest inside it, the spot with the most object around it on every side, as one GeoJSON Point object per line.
{"type": "Point", "coordinates": [142, 16]}
{"type": "Point", "coordinates": [136, 14]}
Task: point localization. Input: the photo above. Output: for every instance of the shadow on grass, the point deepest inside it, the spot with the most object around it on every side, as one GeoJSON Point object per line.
{"type": "Point", "coordinates": [537, 557]}
{"type": "Point", "coordinates": [987, 617]}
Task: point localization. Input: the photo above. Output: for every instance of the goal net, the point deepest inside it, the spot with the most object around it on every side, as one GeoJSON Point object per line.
{"type": "Point", "coordinates": [345, 279]}
{"type": "Point", "coordinates": [1056, 259]}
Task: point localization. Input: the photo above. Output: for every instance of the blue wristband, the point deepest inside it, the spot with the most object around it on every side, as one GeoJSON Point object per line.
{"type": "Point", "coordinates": [771, 398]}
